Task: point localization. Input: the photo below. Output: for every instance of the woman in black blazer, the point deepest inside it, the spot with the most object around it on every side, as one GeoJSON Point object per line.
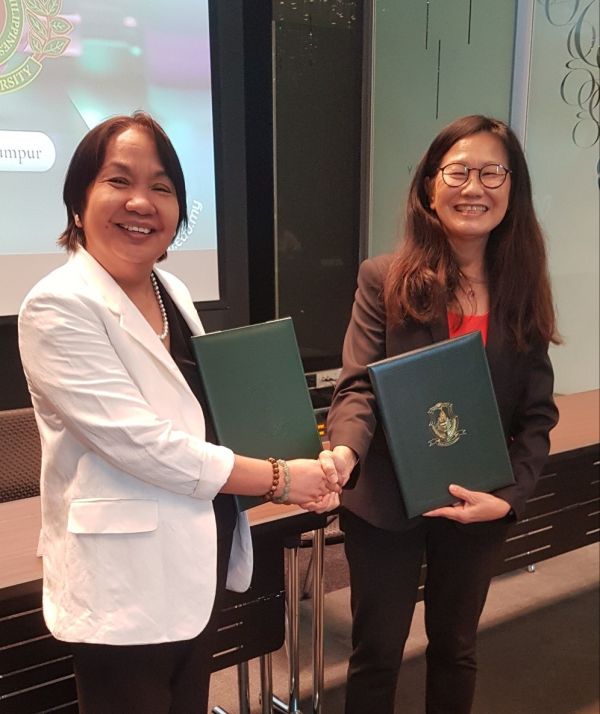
{"type": "Point", "coordinates": [473, 257]}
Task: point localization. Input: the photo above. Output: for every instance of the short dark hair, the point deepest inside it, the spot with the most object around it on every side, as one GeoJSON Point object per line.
{"type": "Point", "coordinates": [87, 162]}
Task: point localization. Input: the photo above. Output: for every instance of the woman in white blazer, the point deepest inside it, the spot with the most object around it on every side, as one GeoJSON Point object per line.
{"type": "Point", "coordinates": [139, 535]}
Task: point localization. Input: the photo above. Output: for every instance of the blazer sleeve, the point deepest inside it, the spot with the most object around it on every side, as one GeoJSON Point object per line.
{"type": "Point", "coordinates": [536, 415]}
{"type": "Point", "coordinates": [78, 383]}
{"type": "Point", "coordinates": [352, 417]}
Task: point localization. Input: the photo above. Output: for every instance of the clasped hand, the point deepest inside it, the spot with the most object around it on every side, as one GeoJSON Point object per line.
{"type": "Point", "coordinates": [336, 467]}
{"type": "Point", "coordinates": [314, 485]}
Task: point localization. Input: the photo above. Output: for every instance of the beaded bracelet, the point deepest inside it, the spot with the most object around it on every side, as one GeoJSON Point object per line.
{"type": "Point", "coordinates": [270, 494]}
{"type": "Point", "coordinates": [287, 482]}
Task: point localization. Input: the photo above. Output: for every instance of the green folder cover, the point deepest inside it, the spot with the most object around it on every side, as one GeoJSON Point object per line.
{"type": "Point", "coordinates": [257, 393]}
{"type": "Point", "coordinates": [439, 413]}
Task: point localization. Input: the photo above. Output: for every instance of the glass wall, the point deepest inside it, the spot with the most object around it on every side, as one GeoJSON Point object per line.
{"type": "Point", "coordinates": [561, 141]}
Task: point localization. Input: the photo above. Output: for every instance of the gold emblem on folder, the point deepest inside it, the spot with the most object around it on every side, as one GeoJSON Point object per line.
{"type": "Point", "coordinates": [443, 422]}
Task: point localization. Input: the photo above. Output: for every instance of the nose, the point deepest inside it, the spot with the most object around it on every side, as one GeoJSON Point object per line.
{"type": "Point", "coordinates": [473, 182]}
{"type": "Point", "coordinates": [139, 201]}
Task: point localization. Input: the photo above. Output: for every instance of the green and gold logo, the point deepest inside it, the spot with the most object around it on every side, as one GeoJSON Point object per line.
{"type": "Point", "coordinates": [30, 32]}
{"type": "Point", "coordinates": [443, 422]}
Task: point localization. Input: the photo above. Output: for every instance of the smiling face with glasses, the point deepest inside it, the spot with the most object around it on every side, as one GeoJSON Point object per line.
{"type": "Point", "coordinates": [470, 190]}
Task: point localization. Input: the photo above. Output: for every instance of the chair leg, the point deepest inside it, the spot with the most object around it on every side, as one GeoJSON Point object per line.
{"type": "Point", "coordinates": [243, 687]}
{"type": "Point", "coordinates": [293, 612]}
{"type": "Point", "coordinates": [280, 706]}
{"type": "Point", "coordinates": [266, 684]}
{"type": "Point", "coordinates": [307, 585]}
{"type": "Point", "coordinates": [317, 618]}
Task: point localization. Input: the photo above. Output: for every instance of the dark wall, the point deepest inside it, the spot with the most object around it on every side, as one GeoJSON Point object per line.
{"type": "Point", "coordinates": [318, 105]}
{"type": "Point", "coordinates": [13, 389]}
{"type": "Point", "coordinates": [259, 159]}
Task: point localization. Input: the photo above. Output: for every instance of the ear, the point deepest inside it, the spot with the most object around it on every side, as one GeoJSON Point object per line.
{"type": "Point", "coordinates": [430, 191]}
{"type": "Point", "coordinates": [77, 220]}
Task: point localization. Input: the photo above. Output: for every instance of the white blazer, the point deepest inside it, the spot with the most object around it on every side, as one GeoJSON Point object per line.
{"type": "Point", "coordinates": [128, 533]}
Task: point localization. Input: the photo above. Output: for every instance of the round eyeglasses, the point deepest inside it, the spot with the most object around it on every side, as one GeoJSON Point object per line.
{"type": "Point", "coordinates": [490, 175]}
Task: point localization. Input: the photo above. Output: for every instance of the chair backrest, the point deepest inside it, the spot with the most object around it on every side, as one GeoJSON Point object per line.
{"type": "Point", "coordinates": [20, 455]}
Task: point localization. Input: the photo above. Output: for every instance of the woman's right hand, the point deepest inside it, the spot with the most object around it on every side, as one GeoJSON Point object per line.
{"type": "Point", "coordinates": [341, 461]}
{"type": "Point", "coordinates": [309, 482]}
{"type": "Point", "coordinates": [312, 482]}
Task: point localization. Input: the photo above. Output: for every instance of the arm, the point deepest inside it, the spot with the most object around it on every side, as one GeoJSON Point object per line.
{"type": "Point", "coordinates": [79, 383]}
{"type": "Point", "coordinates": [308, 487]}
{"type": "Point", "coordinates": [351, 421]}
{"type": "Point", "coordinates": [536, 415]}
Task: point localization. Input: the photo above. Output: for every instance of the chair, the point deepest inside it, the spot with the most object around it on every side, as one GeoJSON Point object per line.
{"type": "Point", "coordinates": [20, 455]}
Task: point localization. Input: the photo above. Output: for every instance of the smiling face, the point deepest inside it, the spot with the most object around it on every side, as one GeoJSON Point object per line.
{"type": "Point", "coordinates": [131, 211]}
{"type": "Point", "coordinates": [469, 212]}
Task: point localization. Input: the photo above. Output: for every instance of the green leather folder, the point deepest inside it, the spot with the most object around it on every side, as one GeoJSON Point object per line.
{"type": "Point", "coordinates": [257, 393]}
{"type": "Point", "coordinates": [439, 413]}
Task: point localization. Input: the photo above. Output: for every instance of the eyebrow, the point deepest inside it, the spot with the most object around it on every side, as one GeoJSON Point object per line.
{"type": "Point", "coordinates": [120, 166]}
{"type": "Point", "coordinates": [485, 163]}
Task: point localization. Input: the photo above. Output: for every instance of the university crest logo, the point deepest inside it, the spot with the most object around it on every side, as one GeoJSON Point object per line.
{"type": "Point", "coordinates": [30, 32]}
{"type": "Point", "coordinates": [443, 422]}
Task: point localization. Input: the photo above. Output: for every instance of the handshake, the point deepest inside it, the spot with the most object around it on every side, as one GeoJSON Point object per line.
{"type": "Point", "coordinates": [316, 484]}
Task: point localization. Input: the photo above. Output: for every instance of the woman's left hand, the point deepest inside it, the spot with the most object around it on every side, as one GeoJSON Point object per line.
{"type": "Point", "coordinates": [326, 503]}
{"type": "Point", "coordinates": [473, 507]}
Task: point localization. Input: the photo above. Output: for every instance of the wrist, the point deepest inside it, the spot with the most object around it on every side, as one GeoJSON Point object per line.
{"type": "Point", "coordinates": [347, 455]}
{"type": "Point", "coordinates": [287, 482]}
{"type": "Point", "coordinates": [281, 480]}
{"type": "Point", "coordinates": [274, 487]}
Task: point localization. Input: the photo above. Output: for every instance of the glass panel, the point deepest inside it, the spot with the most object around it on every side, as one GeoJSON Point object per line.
{"type": "Point", "coordinates": [562, 151]}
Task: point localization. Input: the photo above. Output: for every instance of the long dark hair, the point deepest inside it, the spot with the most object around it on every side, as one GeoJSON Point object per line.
{"type": "Point", "coordinates": [425, 275]}
{"type": "Point", "coordinates": [87, 161]}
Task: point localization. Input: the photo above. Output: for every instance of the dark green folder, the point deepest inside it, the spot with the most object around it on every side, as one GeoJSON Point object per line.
{"type": "Point", "coordinates": [439, 413]}
{"type": "Point", "coordinates": [257, 393]}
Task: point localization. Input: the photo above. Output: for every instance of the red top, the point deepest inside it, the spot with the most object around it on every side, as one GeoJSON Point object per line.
{"type": "Point", "coordinates": [470, 323]}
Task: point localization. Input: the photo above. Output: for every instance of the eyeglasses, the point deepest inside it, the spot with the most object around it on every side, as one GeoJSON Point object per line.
{"type": "Point", "coordinates": [490, 175]}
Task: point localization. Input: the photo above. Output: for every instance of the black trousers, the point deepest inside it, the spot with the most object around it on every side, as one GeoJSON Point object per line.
{"type": "Point", "coordinates": [165, 678]}
{"type": "Point", "coordinates": [384, 576]}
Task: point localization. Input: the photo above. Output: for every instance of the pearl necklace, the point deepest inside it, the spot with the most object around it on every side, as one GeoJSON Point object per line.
{"type": "Point", "coordinates": [165, 321]}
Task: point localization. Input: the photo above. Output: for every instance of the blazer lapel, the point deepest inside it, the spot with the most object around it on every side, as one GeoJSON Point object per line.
{"type": "Point", "coordinates": [130, 318]}
{"type": "Point", "coordinates": [439, 328]}
{"type": "Point", "coordinates": [493, 347]}
{"type": "Point", "coordinates": [183, 302]}
{"type": "Point", "coordinates": [414, 335]}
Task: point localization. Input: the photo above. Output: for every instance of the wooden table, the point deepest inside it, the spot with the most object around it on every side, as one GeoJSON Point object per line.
{"type": "Point", "coordinates": [579, 424]}
{"type": "Point", "coordinates": [573, 463]}
{"type": "Point", "coordinates": [563, 512]}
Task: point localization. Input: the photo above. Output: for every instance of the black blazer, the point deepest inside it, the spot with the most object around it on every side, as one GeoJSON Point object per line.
{"type": "Point", "coordinates": [523, 383]}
